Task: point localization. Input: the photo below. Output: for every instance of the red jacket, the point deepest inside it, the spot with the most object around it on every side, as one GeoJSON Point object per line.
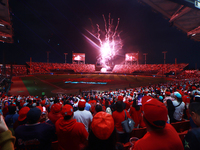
{"type": "Point", "coordinates": [71, 134]}
{"type": "Point", "coordinates": [118, 118]}
{"type": "Point", "coordinates": [164, 139]}
{"type": "Point", "coordinates": [136, 115]}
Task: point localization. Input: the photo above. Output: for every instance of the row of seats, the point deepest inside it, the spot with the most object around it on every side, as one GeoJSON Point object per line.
{"type": "Point", "coordinates": [41, 67]}
{"type": "Point", "coordinates": [156, 68]}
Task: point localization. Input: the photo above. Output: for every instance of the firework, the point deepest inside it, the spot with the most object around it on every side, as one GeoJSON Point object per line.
{"type": "Point", "coordinates": [111, 43]}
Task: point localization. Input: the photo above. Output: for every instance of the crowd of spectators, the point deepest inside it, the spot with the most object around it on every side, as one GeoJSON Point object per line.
{"type": "Point", "coordinates": [158, 69]}
{"type": "Point", "coordinates": [93, 121]}
{"type": "Point", "coordinates": [189, 74]}
{"type": "Point", "coordinates": [16, 70]}
{"type": "Point", "coordinates": [41, 67]}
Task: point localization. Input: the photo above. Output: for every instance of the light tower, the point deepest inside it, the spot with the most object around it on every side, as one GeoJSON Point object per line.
{"type": "Point", "coordinates": [145, 57]}
{"type": "Point", "coordinates": [164, 52]}
{"type": "Point", "coordinates": [65, 57]}
{"type": "Point", "coordinates": [48, 56]}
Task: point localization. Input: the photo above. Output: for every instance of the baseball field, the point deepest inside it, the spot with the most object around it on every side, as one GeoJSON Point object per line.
{"type": "Point", "coordinates": [51, 85]}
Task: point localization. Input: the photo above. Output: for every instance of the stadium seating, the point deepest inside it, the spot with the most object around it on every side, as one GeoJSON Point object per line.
{"type": "Point", "coordinates": [138, 132]}
{"type": "Point", "coordinates": [39, 67]}
{"type": "Point", "coordinates": [181, 126]}
{"type": "Point", "coordinates": [158, 69]}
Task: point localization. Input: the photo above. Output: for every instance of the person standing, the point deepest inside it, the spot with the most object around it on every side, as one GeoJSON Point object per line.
{"type": "Point", "coordinates": [192, 138]}
{"type": "Point", "coordinates": [11, 117]}
{"type": "Point", "coordinates": [160, 135]}
{"type": "Point", "coordinates": [71, 134]}
{"type": "Point", "coordinates": [55, 114]}
{"type": "Point", "coordinates": [34, 135]}
{"type": "Point", "coordinates": [179, 107]}
{"type": "Point", "coordinates": [136, 113]}
{"type": "Point", "coordinates": [119, 117]}
{"type": "Point", "coordinates": [82, 115]}
{"type": "Point", "coordinates": [103, 133]}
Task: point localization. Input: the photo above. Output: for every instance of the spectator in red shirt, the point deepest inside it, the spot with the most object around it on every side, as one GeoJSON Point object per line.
{"type": "Point", "coordinates": [136, 113]}
{"type": "Point", "coordinates": [103, 133]}
{"type": "Point", "coordinates": [93, 103]}
{"type": "Point", "coordinates": [55, 114]}
{"type": "Point", "coordinates": [119, 116]}
{"type": "Point", "coordinates": [160, 135]}
{"type": "Point", "coordinates": [72, 135]}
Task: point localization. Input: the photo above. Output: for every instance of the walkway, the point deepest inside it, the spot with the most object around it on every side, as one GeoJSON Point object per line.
{"type": "Point", "coordinates": [18, 87]}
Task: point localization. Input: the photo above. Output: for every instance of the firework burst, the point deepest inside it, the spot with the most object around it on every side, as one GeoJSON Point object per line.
{"type": "Point", "coordinates": [109, 41]}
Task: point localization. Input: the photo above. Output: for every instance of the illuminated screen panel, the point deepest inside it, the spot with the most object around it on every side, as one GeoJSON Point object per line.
{"type": "Point", "coordinates": [131, 57]}
{"type": "Point", "coordinates": [78, 57]}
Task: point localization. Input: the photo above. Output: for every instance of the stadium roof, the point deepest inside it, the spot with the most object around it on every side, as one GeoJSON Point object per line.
{"type": "Point", "coordinates": [6, 31]}
{"type": "Point", "coordinates": [184, 14]}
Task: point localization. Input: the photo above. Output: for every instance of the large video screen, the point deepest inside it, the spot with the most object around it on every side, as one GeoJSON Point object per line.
{"type": "Point", "coordinates": [131, 57]}
{"type": "Point", "coordinates": [78, 57]}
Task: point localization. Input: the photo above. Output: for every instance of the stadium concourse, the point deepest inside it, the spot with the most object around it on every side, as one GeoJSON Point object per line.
{"type": "Point", "coordinates": [47, 122]}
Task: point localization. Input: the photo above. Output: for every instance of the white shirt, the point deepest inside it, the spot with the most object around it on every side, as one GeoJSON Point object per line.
{"type": "Point", "coordinates": [178, 113]}
{"type": "Point", "coordinates": [84, 117]}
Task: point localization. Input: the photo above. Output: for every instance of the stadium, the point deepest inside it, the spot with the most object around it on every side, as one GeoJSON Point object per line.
{"type": "Point", "coordinates": [87, 77]}
{"type": "Point", "coordinates": [83, 106]}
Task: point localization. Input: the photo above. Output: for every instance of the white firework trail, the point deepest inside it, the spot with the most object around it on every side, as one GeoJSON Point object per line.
{"type": "Point", "coordinates": [111, 44]}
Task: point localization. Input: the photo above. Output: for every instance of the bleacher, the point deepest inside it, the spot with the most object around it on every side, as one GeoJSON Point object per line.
{"type": "Point", "coordinates": [158, 69]}
{"type": "Point", "coordinates": [142, 69]}
{"type": "Point", "coordinates": [41, 67]}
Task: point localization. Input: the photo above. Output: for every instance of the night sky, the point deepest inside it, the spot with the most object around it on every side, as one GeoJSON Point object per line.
{"type": "Point", "coordinates": [58, 26]}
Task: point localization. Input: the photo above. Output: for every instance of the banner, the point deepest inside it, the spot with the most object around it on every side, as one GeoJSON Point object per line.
{"type": "Point", "coordinates": [131, 57]}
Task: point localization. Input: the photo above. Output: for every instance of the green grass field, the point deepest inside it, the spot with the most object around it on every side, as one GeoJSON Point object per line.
{"type": "Point", "coordinates": [54, 84]}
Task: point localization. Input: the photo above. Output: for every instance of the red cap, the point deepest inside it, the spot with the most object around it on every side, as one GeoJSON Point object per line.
{"type": "Point", "coordinates": [42, 102]}
{"type": "Point", "coordinates": [55, 108]}
{"type": "Point", "coordinates": [12, 105]}
{"type": "Point", "coordinates": [154, 110]}
{"type": "Point", "coordinates": [131, 94]}
{"type": "Point", "coordinates": [167, 93]}
{"type": "Point", "coordinates": [102, 125]}
{"type": "Point", "coordinates": [194, 88]}
{"type": "Point", "coordinates": [81, 103]}
{"type": "Point", "coordinates": [186, 99]}
{"type": "Point", "coordinates": [120, 98]}
{"type": "Point", "coordinates": [67, 110]}
{"type": "Point", "coordinates": [43, 109]}
{"type": "Point", "coordinates": [145, 98]}
{"type": "Point", "coordinates": [23, 113]}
